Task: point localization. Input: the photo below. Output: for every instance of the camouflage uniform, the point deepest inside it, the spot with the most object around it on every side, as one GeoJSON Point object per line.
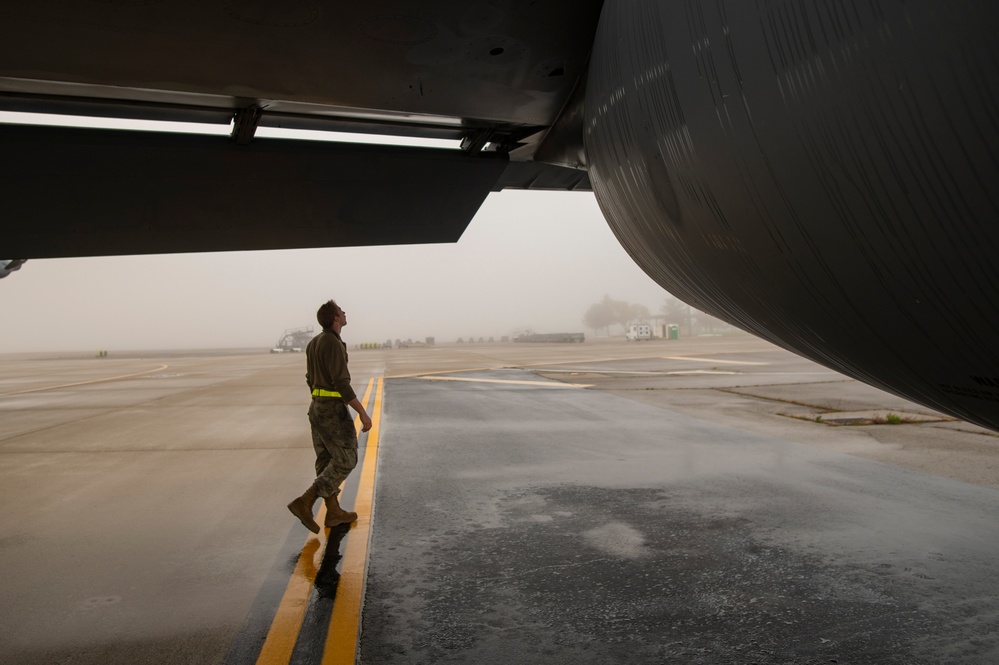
{"type": "Point", "coordinates": [334, 436]}
{"type": "Point", "coordinates": [335, 441]}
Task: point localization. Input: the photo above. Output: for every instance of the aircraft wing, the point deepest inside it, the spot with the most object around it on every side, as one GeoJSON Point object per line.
{"type": "Point", "coordinates": [492, 77]}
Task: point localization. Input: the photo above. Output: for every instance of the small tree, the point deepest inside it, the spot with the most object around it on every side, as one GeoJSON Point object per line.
{"type": "Point", "coordinates": [638, 313]}
{"type": "Point", "coordinates": [600, 316]}
{"type": "Point", "coordinates": [626, 312]}
{"type": "Point", "coordinates": [607, 312]}
{"type": "Point", "coordinates": [676, 311]}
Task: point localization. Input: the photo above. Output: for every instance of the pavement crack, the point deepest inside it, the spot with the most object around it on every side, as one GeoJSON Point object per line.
{"type": "Point", "coordinates": [738, 390]}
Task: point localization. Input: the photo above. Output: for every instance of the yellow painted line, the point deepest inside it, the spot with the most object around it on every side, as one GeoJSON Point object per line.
{"type": "Point", "coordinates": [283, 635]}
{"type": "Point", "coordinates": [548, 384]}
{"type": "Point", "coordinates": [287, 624]}
{"type": "Point", "coordinates": [341, 640]}
{"type": "Point", "coordinates": [714, 360]}
{"type": "Point", "coordinates": [364, 401]}
{"type": "Point", "coordinates": [84, 383]}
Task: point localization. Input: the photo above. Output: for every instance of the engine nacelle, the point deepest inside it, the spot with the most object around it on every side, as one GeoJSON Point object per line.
{"type": "Point", "coordinates": [821, 174]}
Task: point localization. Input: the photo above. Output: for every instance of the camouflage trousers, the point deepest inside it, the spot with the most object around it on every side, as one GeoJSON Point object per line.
{"type": "Point", "coordinates": [334, 439]}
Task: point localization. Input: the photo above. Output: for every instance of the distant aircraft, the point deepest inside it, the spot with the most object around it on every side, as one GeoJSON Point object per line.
{"type": "Point", "coordinates": [7, 266]}
{"type": "Point", "coordinates": [820, 173]}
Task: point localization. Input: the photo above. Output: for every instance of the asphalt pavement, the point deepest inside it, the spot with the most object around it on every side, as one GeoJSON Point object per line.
{"type": "Point", "coordinates": [692, 501]}
{"type": "Point", "coordinates": [520, 521]}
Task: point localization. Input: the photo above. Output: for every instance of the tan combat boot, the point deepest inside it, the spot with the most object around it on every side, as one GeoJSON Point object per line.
{"type": "Point", "coordinates": [335, 514]}
{"type": "Point", "coordinates": [302, 509]}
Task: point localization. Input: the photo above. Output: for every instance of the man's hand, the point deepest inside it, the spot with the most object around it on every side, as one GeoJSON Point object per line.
{"type": "Point", "coordinates": [361, 413]}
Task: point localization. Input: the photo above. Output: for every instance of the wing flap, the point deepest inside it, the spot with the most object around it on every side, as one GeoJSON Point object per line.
{"type": "Point", "coordinates": [80, 192]}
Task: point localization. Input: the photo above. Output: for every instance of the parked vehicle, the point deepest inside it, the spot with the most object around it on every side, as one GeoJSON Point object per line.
{"type": "Point", "coordinates": [638, 331]}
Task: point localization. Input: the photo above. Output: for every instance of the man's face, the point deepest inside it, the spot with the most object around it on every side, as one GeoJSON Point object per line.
{"type": "Point", "coordinates": [341, 317]}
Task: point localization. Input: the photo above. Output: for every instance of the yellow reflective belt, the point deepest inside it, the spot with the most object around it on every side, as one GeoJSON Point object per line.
{"type": "Point", "coordinates": [319, 392]}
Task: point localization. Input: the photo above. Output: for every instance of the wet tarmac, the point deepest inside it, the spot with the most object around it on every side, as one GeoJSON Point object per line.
{"type": "Point", "coordinates": [144, 507]}
{"type": "Point", "coordinates": [696, 503]}
{"type": "Point", "coordinates": [526, 524]}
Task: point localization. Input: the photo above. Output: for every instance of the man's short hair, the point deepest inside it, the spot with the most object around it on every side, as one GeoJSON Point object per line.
{"type": "Point", "coordinates": [326, 314]}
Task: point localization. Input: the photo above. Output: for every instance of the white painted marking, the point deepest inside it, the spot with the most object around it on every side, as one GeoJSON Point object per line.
{"type": "Point", "coordinates": [714, 360]}
{"type": "Point", "coordinates": [547, 384]}
{"type": "Point", "coordinates": [700, 371]}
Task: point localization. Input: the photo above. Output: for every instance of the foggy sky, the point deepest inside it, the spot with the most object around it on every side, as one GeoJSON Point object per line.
{"type": "Point", "coordinates": [533, 260]}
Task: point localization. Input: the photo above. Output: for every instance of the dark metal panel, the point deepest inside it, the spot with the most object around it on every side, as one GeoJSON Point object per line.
{"type": "Point", "coordinates": [532, 175]}
{"type": "Point", "coordinates": [509, 63]}
{"type": "Point", "coordinates": [73, 192]}
{"type": "Point", "coordinates": [822, 174]}
{"type": "Point", "coordinates": [98, 107]}
{"type": "Point", "coordinates": [563, 143]}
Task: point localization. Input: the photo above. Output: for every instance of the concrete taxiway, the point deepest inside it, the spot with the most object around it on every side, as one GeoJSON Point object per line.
{"type": "Point", "coordinates": [690, 501]}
